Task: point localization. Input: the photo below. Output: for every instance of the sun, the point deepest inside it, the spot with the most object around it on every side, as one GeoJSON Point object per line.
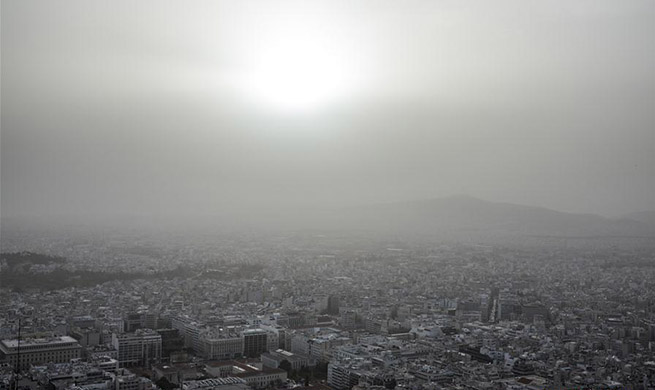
{"type": "Point", "coordinates": [294, 74]}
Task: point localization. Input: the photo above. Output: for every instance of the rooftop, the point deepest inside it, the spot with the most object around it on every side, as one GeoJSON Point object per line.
{"type": "Point", "coordinates": [13, 343]}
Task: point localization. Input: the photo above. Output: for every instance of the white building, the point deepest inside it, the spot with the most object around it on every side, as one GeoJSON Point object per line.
{"type": "Point", "coordinates": [141, 348]}
{"type": "Point", "coordinates": [219, 346]}
{"type": "Point", "coordinates": [38, 351]}
{"type": "Point", "coordinates": [273, 359]}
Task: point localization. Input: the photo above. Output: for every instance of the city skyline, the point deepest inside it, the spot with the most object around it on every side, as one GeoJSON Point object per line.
{"type": "Point", "coordinates": [327, 195]}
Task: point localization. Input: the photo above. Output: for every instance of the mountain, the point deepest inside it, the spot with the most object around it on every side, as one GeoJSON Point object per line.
{"type": "Point", "coordinates": [647, 217]}
{"type": "Point", "coordinates": [465, 214]}
{"type": "Point", "coordinates": [455, 217]}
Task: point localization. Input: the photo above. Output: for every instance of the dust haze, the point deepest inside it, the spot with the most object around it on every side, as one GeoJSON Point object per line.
{"type": "Point", "coordinates": [132, 109]}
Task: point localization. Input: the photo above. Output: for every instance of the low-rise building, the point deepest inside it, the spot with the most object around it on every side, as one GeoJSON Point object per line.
{"type": "Point", "coordinates": [274, 358]}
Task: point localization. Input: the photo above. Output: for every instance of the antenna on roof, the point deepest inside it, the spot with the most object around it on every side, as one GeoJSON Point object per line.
{"type": "Point", "coordinates": [18, 349]}
{"type": "Point", "coordinates": [17, 368]}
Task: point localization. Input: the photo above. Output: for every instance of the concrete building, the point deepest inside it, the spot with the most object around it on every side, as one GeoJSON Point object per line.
{"type": "Point", "coordinates": [342, 376]}
{"type": "Point", "coordinates": [171, 341]}
{"type": "Point", "coordinates": [253, 373]}
{"type": "Point", "coordinates": [191, 332]}
{"type": "Point", "coordinates": [141, 348]}
{"type": "Point", "coordinates": [228, 383]}
{"type": "Point", "coordinates": [87, 337]}
{"type": "Point", "coordinates": [38, 351]}
{"type": "Point", "coordinates": [175, 373]}
{"type": "Point", "coordinates": [274, 358]}
{"type": "Point", "coordinates": [125, 380]}
{"type": "Point", "coordinates": [254, 342]}
{"type": "Point", "coordinates": [264, 378]}
{"type": "Point", "coordinates": [333, 305]}
{"type": "Point", "coordinates": [219, 346]}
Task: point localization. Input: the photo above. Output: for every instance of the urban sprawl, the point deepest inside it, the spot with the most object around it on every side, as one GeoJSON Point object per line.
{"type": "Point", "coordinates": [323, 311]}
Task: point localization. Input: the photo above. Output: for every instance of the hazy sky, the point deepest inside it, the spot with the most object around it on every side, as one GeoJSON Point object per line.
{"type": "Point", "coordinates": [178, 107]}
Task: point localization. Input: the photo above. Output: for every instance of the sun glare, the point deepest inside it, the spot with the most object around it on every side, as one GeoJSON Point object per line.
{"type": "Point", "coordinates": [296, 75]}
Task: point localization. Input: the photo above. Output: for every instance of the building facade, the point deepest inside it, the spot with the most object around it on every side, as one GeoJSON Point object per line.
{"type": "Point", "coordinates": [141, 348]}
{"type": "Point", "coordinates": [38, 351]}
{"type": "Point", "coordinates": [254, 342]}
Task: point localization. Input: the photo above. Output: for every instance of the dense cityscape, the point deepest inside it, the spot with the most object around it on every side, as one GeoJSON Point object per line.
{"type": "Point", "coordinates": [327, 195]}
{"type": "Point", "coordinates": [254, 311]}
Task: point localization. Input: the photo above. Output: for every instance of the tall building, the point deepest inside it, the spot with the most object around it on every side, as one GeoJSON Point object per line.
{"type": "Point", "coordinates": [150, 321]}
{"type": "Point", "coordinates": [348, 319]}
{"type": "Point", "coordinates": [133, 321]}
{"type": "Point", "coordinates": [272, 338]}
{"type": "Point", "coordinates": [190, 330]}
{"type": "Point", "coordinates": [254, 342]}
{"type": "Point", "coordinates": [141, 348]}
{"type": "Point", "coordinates": [171, 341]}
{"type": "Point", "coordinates": [333, 305]}
{"type": "Point", "coordinates": [38, 351]}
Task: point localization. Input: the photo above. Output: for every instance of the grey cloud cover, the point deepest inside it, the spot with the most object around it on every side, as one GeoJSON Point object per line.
{"type": "Point", "coordinates": [128, 107]}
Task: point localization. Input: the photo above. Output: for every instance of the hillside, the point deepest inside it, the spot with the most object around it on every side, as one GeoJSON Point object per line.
{"type": "Point", "coordinates": [466, 214]}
